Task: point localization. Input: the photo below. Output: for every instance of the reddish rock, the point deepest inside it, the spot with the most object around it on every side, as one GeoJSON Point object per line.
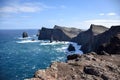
{"type": "Point", "coordinates": [88, 67]}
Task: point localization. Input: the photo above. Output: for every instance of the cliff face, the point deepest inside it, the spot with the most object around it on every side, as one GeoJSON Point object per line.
{"type": "Point", "coordinates": [86, 67]}
{"type": "Point", "coordinates": [88, 35]}
{"type": "Point", "coordinates": [58, 33]}
{"type": "Point", "coordinates": [100, 39]}
{"type": "Point", "coordinates": [86, 38]}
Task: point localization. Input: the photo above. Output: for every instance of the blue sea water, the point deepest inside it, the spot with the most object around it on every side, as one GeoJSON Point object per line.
{"type": "Point", "coordinates": [19, 59]}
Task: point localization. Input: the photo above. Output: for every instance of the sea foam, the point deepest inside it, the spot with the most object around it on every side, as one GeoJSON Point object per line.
{"type": "Point", "coordinates": [27, 41]}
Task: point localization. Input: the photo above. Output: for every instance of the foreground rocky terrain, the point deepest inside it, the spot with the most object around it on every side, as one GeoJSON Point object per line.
{"type": "Point", "coordinates": [85, 67]}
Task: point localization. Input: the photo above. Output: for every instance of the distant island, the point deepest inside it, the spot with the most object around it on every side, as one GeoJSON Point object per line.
{"type": "Point", "coordinates": [100, 61]}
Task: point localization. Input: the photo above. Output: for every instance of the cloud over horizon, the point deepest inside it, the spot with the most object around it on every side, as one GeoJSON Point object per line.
{"type": "Point", "coordinates": [108, 14]}
{"type": "Point", "coordinates": [24, 7]}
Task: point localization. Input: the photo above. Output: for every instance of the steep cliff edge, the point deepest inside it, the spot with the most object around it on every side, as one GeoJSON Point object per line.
{"type": "Point", "coordinates": [88, 35]}
{"type": "Point", "coordinates": [58, 33]}
{"type": "Point", "coordinates": [100, 39]}
{"type": "Point", "coordinates": [86, 67]}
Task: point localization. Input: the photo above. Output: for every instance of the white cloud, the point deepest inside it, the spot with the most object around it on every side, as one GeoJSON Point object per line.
{"type": "Point", "coordinates": [25, 7]}
{"type": "Point", "coordinates": [12, 9]}
{"type": "Point", "coordinates": [111, 14]}
{"type": "Point", "coordinates": [108, 14]}
{"type": "Point", "coordinates": [101, 14]}
{"type": "Point", "coordinates": [104, 22]}
{"type": "Point", "coordinates": [86, 24]}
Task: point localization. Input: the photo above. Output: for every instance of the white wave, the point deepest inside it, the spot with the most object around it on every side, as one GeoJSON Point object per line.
{"type": "Point", "coordinates": [24, 38]}
{"type": "Point", "coordinates": [77, 49]}
{"type": "Point", "coordinates": [34, 67]}
{"type": "Point", "coordinates": [53, 43]}
{"type": "Point", "coordinates": [62, 49]}
{"type": "Point", "coordinates": [27, 41]}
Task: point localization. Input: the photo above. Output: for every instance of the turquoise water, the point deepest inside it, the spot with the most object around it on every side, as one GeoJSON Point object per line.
{"type": "Point", "coordinates": [19, 59]}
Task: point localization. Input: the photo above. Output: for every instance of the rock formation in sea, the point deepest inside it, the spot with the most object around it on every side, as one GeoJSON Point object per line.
{"type": "Point", "coordinates": [71, 48]}
{"type": "Point", "coordinates": [86, 67]}
{"type": "Point", "coordinates": [24, 34]}
{"type": "Point", "coordinates": [58, 33]}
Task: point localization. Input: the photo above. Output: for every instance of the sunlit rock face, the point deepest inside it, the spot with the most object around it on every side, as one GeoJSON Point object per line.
{"type": "Point", "coordinates": [85, 67]}
{"type": "Point", "coordinates": [58, 33]}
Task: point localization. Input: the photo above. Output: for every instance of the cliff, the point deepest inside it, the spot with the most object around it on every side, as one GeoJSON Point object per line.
{"type": "Point", "coordinates": [90, 66]}
{"type": "Point", "coordinates": [88, 35]}
{"type": "Point", "coordinates": [100, 39]}
{"type": "Point", "coordinates": [86, 67]}
{"type": "Point", "coordinates": [58, 33]}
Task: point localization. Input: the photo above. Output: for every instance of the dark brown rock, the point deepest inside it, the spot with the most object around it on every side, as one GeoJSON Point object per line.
{"type": "Point", "coordinates": [58, 33]}
{"type": "Point", "coordinates": [100, 39]}
{"type": "Point", "coordinates": [87, 36]}
{"type": "Point", "coordinates": [73, 56]}
{"type": "Point", "coordinates": [24, 34]}
{"type": "Point", "coordinates": [112, 47]}
{"type": "Point", "coordinates": [71, 48]}
{"type": "Point", "coordinates": [83, 69]}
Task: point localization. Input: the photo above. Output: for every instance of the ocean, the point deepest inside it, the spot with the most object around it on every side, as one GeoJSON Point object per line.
{"type": "Point", "coordinates": [20, 59]}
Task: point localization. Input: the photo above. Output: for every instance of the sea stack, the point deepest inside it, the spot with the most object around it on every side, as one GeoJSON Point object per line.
{"type": "Point", "coordinates": [24, 35]}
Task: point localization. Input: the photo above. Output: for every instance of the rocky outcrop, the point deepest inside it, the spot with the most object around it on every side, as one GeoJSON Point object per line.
{"type": "Point", "coordinates": [100, 39]}
{"type": "Point", "coordinates": [58, 33]}
{"type": "Point", "coordinates": [112, 47]}
{"type": "Point", "coordinates": [24, 34]}
{"type": "Point", "coordinates": [73, 56]}
{"type": "Point", "coordinates": [88, 35]}
{"type": "Point", "coordinates": [86, 67]}
{"type": "Point", "coordinates": [71, 48]}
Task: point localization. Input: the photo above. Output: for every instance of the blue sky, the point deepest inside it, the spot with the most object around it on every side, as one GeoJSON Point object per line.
{"type": "Point", "coordinates": [34, 14]}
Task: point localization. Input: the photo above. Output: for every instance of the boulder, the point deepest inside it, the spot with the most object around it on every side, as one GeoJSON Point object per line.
{"type": "Point", "coordinates": [73, 56]}
{"type": "Point", "coordinates": [71, 48]}
{"type": "Point", "coordinates": [24, 34]}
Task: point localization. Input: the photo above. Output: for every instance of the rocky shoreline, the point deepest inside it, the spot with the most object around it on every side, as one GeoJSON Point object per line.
{"type": "Point", "coordinates": [85, 67]}
{"type": "Point", "coordinates": [101, 60]}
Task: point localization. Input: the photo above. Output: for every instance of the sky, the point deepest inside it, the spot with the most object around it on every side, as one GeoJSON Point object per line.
{"type": "Point", "coordinates": [34, 14]}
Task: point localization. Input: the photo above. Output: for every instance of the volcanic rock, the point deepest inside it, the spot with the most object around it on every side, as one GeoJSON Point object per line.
{"type": "Point", "coordinates": [58, 33]}
{"type": "Point", "coordinates": [24, 34]}
{"type": "Point", "coordinates": [87, 36]}
{"type": "Point", "coordinates": [100, 39]}
{"type": "Point", "coordinates": [71, 48]}
{"type": "Point", "coordinates": [73, 56]}
{"type": "Point", "coordinates": [87, 67]}
{"type": "Point", "coordinates": [112, 47]}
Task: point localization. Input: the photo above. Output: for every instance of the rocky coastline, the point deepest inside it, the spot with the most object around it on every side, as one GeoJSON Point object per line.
{"type": "Point", "coordinates": [101, 58]}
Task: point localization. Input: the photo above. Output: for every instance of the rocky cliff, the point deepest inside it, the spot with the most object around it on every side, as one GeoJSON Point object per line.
{"type": "Point", "coordinates": [86, 67]}
{"type": "Point", "coordinates": [100, 39]}
{"type": "Point", "coordinates": [58, 33]}
{"type": "Point", "coordinates": [88, 35]}
{"type": "Point", "coordinates": [90, 66]}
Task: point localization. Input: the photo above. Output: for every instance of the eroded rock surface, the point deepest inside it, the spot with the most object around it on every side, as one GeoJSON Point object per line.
{"type": "Point", "coordinates": [58, 33]}
{"type": "Point", "coordinates": [86, 67]}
